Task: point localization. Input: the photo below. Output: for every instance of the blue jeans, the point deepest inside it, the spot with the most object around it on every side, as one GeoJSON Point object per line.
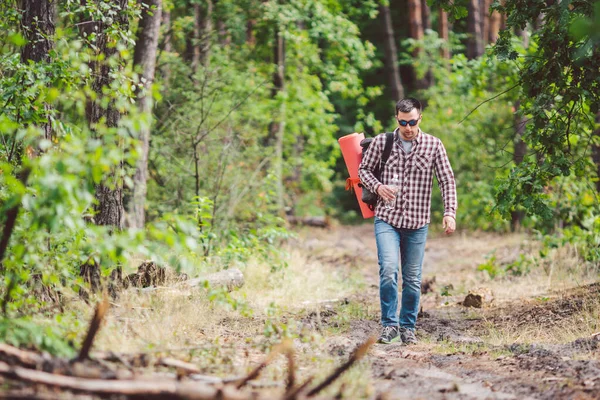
{"type": "Point", "coordinates": [411, 243]}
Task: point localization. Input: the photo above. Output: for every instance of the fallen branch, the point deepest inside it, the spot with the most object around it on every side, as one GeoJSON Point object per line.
{"type": "Point", "coordinates": [183, 368]}
{"type": "Point", "coordinates": [148, 389]}
{"type": "Point", "coordinates": [357, 355]}
{"type": "Point", "coordinates": [101, 309]}
{"type": "Point", "coordinates": [318, 222]}
{"type": "Point", "coordinates": [22, 357]}
{"type": "Point", "coordinates": [230, 278]}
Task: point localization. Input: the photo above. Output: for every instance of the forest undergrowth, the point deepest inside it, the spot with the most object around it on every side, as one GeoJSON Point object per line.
{"type": "Point", "coordinates": [325, 301]}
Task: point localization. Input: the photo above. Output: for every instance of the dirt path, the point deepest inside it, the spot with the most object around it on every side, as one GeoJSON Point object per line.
{"type": "Point", "coordinates": [467, 353]}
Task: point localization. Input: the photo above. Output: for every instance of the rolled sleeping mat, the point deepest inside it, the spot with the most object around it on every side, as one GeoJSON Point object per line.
{"type": "Point", "coordinates": [352, 153]}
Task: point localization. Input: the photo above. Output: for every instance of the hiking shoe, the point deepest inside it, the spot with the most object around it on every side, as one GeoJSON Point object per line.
{"type": "Point", "coordinates": [389, 334]}
{"type": "Point", "coordinates": [408, 335]}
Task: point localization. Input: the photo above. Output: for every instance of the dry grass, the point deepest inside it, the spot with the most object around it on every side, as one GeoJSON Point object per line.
{"type": "Point", "coordinates": [228, 342]}
{"type": "Point", "coordinates": [325, 265]}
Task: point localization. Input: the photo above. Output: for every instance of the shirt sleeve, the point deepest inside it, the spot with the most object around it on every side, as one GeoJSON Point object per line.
{"type": "Point", "coordinates": [369, 163]}
{"type": "Point", "coordinates": [446, 182]}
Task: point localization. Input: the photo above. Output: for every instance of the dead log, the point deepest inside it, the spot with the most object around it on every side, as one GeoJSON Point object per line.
{"type": "Point", "coordinates": [230, 278]}
{"type": "Point", "coordinates": [147, 389]}
{"type": "Point", "coordinates": [317, 222]}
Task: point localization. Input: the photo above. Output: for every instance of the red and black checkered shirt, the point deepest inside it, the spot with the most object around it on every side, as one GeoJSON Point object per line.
{"type": "Point", "coordinates": [415, 171]}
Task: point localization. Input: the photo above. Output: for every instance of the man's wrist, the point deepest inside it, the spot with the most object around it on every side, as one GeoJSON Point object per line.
{"type": "Point", "coordinates": [376, 188]}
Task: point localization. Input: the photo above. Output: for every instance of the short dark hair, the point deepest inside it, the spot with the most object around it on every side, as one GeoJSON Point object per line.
{"type": "Point", "coordinates": [407, 105]}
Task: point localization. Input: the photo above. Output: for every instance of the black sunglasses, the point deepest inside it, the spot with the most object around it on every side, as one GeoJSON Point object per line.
{"type": "Point", "coordinates": [412, 122]}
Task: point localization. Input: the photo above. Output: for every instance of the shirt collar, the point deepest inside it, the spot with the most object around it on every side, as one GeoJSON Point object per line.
{"type": "Point", "coordinates": [416, 140]}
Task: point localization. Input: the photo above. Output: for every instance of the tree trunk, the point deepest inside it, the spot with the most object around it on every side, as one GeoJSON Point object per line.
{"type": "Point", "coordinates": [520, 149]}
{"type": "Point", "coordinates": [144, 59]}
{"type": "Point", "coordinates": [200, 40]}
{"type": "Point", "coordinates": [474, 42]}
{"type": "Point", "coordinates": [485, 21]}
{"type": "Point", "coordinates": [443, 33]}
{"type": "Point", "coordinates": [502, 19]}
{"type": "Point", "coordinates": [494, 27]}
{"type": "Point", "coordinates": [391, 56]}
{"type": "Point", "coordinates": [250, 38]}
{"type": "Point", "coordinates": [224, 34]}
{"type": "Point", "coordinates": [206, 28]}
{"type": "Point", "coordinates": [193, 44]}
{"type": "Point", "coordinates": [109, 210]}
{"type": "Point", "coordinates": [596, 153]}
{"type": "Point", "coordinates": [277, 126]}
{"type": "Point", "coordinates": [167, 44]}
{"type": "Point", "coordinates": [426, 15]}
{"type": "Point", "coordinates": [415, 16]}
{"type": "Point", "coordinates": [37, 24]}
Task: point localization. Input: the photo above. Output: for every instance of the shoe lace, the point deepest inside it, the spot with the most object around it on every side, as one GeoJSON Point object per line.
{"type": "Point", "coordinates": [409, 334]}
{"type": "Point", "coordinates": [387, 331]}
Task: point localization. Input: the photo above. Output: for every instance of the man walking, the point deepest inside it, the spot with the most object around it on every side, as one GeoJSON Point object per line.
{"type": "Point", "coordinates": [402, 214]}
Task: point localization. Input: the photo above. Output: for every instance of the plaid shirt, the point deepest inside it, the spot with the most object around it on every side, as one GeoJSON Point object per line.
{"type": "Point", "coordinates": [415, 171]}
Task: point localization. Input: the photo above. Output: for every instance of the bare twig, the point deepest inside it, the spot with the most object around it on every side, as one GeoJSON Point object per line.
{"type": "Point", "coordinates": [295, 392]}
{"type": "Point", "coordinates": [254, 374]}
{"type": "Point", "coordinates": [101, 309]}
{"type": "Point", "coordinates": [157, 389]}
{"type": "Point", "coordinates": [488, 100]}
{"type": "Point", "coordinates": [357, 355]}
{"type": "Point", "coordinates": [182, 366]}
{"type": "Point", "coordinates": [291, 372]}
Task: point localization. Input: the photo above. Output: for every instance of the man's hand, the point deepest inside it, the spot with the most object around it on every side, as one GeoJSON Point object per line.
{"type": "Point", "coordinates": [387, 192]}
{"type": "Point", "coordinates": [449, 225]}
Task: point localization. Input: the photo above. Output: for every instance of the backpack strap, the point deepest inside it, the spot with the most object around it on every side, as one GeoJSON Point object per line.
{"type": "Point", "coordinates": [387, 150]}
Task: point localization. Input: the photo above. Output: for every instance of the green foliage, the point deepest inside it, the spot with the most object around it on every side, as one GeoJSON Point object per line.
{"type": "Point", "coordinates": [276, 329]}
{"type": "Point", "coordinates": [560, 90]}
{"type": "Point", "coordinates": [521, 266]}
{"type": "Point", "coordinates": [456, 9]}
{"type": "Point", "coordinates": [221, 296]}
{"type": "Point", "coordinates": [480, 147]}
{"type": "Point", "coordinates": [490, 266]}
{"type": "Point", "coordinates": [23, 332]}
{"type": "Point", "coordinates": [575, 207]}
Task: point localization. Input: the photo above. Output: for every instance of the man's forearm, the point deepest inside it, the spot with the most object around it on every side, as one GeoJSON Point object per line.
{"type": "Point", "coordinates": [368, 179]}
{"type": "Point", "coordinates": [448, 189]}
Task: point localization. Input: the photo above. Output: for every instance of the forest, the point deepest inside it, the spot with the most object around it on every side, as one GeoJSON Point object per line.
{"type": "Point", "coordinates": [175, 222]}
